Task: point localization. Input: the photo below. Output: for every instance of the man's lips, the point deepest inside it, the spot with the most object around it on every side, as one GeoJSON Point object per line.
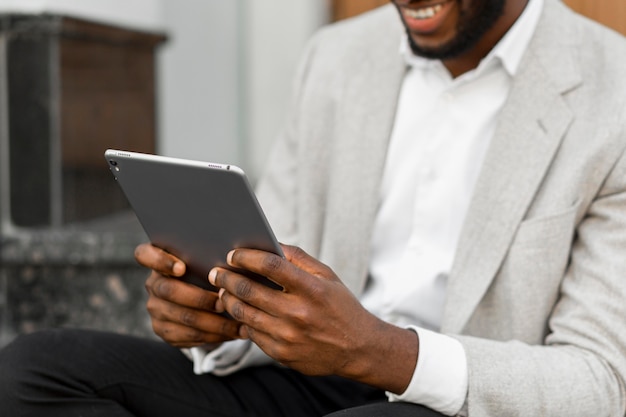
{"type": "Point", "coordinates": [426, 18]}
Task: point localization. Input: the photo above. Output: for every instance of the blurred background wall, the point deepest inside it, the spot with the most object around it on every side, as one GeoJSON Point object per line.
{"type": "Point", "coordinates": [222, 74]}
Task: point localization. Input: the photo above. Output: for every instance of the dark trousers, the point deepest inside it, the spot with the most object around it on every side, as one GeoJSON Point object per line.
{"type": "Point", "coordinates": [84, 373]}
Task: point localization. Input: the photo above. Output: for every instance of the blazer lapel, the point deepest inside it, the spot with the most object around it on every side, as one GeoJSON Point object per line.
{"type": "Point", "coordinates": [531, 127]}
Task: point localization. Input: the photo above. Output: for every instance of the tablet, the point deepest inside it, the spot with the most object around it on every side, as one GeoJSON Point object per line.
{"type": "Point", "coordinates": [197, 211]}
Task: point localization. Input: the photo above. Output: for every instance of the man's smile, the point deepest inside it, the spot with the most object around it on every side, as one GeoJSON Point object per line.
{"type": "Point", "coordinates": [426, 17]}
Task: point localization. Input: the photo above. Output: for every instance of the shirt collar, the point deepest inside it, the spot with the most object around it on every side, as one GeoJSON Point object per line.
{"type": "Point", "coordinates": [508, 51]}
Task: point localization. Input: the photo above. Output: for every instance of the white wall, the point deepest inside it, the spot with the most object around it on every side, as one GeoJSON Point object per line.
{"type": "Point", "coordinates": [275, 36]}
{"type": "Point", "coordinates": [199, 85]}
{"type": "Point", "coordinates": [224, 76]}
{"type": "Point", "coordinates": [226, 102]}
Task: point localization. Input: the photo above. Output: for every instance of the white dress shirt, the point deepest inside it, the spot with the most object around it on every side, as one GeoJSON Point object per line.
{"type": "Point", "coordinates": [442, 129]}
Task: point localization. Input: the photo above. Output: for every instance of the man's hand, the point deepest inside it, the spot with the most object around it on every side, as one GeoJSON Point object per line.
{"type": "Point", "coordinates": [315, 325]}
{"type": "Point", "coordinates": [182, 314]}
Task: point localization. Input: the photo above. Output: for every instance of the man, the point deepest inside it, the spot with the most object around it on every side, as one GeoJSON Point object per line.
{"type": "Point", "coordinates": [462, 206]}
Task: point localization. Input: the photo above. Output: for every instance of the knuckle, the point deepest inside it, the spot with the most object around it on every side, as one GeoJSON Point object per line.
{"type": "Point", "coordinates": [318, 293]}
{"type": "Point", "coordinates": [188, 318]}
{"type": "Point", "coordinates": [301, 314]}
{"type": "Point", "coordinates": [251, 332]}
{"type": "Point", "coordinates": [243, 289]}
{"type": "Point", "coordinates": [289, 249]}
{"type": "Point", "coordinates": [298, 253]}
{"type": "Point", "coordinates": [159, 329]}
{"type": "Point", "coordinates": [229, 328]}
{"type": "Point", "coordinates": [150, 306]}
{"type": "Point", "coordinates": [289, 336]}
{"type": "Point", "coordinates": [272, 263]}
{"type": "Point", "coordinates": [155, 309]}
{"type": "Point", "coordinates": [238, 311]}
{"type": "Point", "coordinates": [150, 281]}
{"type": "Point", "coordinates": [317, 289]}
{"type": "Point", "coordinates": [194, 335]}
{"type": "Point", "coordinates": [253, 319]}
{"type": "Point", "coordinates": [163, 289]}
{"type": "Point", "coordinates": [281, 354]}
{"type": "Point", "coordinates": [206, 300]}
{"type": "Point", "coordinates": [326, 271]}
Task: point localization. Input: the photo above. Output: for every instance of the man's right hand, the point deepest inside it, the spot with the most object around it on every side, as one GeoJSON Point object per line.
{"type": "Point", "coordinates": [182, 314]}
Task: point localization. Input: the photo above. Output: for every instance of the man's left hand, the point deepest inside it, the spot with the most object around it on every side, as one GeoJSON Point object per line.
{"type": "Point", "coordinates": [315, 325]}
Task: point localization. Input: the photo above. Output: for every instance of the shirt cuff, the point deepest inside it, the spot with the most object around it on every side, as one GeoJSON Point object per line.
{"type": "Point", "coordinates": [440, 379]}
{"type": "Point", "coordinates": [205, 361]}
{"type": "Point", "coordinates": [228, 358]}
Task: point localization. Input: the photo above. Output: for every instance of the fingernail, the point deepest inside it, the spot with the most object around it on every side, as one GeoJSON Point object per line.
{"type": "Point", "coordinates": [219, 306]}
{"type": "Point", "coordinates": [178, 268]}
{"type": "Point", "coordinates": [222, 291]}
{"type": "Point", "coordinates": [212, 276]}
{"type": "Point", "coordinates": [229, 257]}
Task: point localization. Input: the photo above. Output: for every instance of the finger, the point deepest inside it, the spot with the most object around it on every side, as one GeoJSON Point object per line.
{"type": "Point", "coordinates": [159, 260]}
{"type": "Point", "coordinates": [182, 293]}
{"type": "Point", "coordinates": [194, 321]}
{"type": "Point", "coordinates": [280, 270]}
{"type": "Point", "coordinates": [266, 264]}
{"type": "Point", "coordinates": [306, 262]}
{"type": "Point", "coordinates": [185, 337]}
{"type": "Point", "coordinates": [268, 344]}
{"type": "Point", "coordinates": [251, 318]}
{"type": "Point", "coordinates": [244, 289]}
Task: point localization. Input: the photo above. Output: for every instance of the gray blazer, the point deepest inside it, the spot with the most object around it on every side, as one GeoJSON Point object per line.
{"type": "Point", "coordinates": [537, 293]}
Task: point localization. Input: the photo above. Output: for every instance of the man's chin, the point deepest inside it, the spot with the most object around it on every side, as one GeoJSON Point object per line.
{"type": "Point", "coordinates": [438, 52]}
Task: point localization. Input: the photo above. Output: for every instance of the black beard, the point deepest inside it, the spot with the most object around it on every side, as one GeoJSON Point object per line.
{"type": "Point", "coordinates": [470, 30]}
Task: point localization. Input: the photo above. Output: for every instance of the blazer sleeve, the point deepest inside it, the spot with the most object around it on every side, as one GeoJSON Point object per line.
{"type": "Point", "coordinates": [581, 368]}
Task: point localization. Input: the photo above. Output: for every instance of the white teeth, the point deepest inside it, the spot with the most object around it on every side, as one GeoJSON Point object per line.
{"type": "Point", "coordinates": [425, 13]}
